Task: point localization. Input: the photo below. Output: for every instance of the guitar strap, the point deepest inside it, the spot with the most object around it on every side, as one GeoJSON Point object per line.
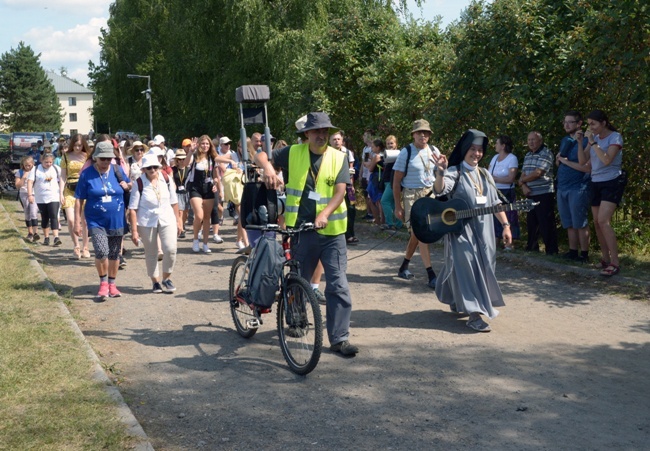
{"type": "Point", "coordinates": [491, 182]}
{"type": "Point", "coordinates": [453, 189]}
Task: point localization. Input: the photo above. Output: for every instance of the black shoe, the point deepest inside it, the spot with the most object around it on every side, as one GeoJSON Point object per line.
{"type": "Point", "coordinates": [157, 288]}
{"type": "Point", "coordinates": [182, 235]}
{"type": "Point", "coordinates": [29, 238]}
{"type": "Point", "coordinates": [36, 237]}
{"type": "Point", "coordinates": [345, 348]}
{"type": "Point", "coordinates": [169, 286]}
{"type": "Point", "coordinates": [122, 264]}
{"type": "Point", "coordinates": [571, 255]}
{"type": "Point", "coordinates": [57, 241]}
{"type": "Point", "coordinates": [296, 332]}
{"type": "Point", "coordinates": [46, 241]}
{"type": "Point", "coordinates": [320, 296]}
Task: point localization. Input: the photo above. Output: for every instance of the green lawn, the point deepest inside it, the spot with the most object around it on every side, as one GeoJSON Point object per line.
{"type": "Point", "coordinates": [48, 399]}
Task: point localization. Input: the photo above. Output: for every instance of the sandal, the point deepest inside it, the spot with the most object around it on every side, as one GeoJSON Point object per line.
{"type": "Point", "coordinates": [611, 270]}
{"type": "Point", "coordinates": [77, 253]}
{"type": "Point", "coordinates": [353, 240]}
{"type": "Point", "coordinates": [86, 253]}
{"type": "Point", "coordinates": [602, 264]}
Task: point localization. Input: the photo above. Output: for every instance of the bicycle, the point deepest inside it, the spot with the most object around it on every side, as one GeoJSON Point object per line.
{"type": "Point", "coordinates": [299, 321]}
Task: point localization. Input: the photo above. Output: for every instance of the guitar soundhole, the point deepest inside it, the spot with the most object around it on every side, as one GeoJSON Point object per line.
{"type": "Point", "coordinates": [449, 216]}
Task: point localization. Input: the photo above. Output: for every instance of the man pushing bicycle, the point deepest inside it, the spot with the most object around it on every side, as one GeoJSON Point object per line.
{"type": "Point", "coordinates": [316, 176]}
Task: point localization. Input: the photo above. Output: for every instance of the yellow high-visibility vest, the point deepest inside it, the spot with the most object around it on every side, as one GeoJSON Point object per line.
{"type": "Point", "coordinates": [299, 166]}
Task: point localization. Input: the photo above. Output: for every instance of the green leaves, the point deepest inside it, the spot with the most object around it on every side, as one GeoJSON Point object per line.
{"type": "Point", "coordinates": [29, 101]}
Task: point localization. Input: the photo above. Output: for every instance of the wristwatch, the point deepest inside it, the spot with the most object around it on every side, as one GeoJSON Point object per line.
{"type": "Point", "coordinates": [505, 224]}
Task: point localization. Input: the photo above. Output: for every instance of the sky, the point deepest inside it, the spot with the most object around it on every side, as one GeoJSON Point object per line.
{"type": "Point", "coordinates": [66, 32]}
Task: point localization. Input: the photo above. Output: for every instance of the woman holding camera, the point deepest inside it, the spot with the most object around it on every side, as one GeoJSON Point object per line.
{"type": "Point", "coordinates": [604, 155]}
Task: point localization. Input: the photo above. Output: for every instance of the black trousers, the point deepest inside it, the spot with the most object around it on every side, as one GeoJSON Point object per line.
{"type": "Point", "coordinates": [541, 221]}
{"type": "Point", "coordinates": [352, 214]}
{"type": "Point", "coordinates": [49, 214]}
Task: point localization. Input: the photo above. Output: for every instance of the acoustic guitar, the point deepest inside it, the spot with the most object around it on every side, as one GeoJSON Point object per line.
{"type": "Point", "coordinates": [432, 219]}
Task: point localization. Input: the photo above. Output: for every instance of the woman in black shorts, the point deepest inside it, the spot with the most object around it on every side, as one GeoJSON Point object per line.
{"type": "Point", "coordinates": [203, 186]}
{"type": "Point", "coordinates": [604, 156]}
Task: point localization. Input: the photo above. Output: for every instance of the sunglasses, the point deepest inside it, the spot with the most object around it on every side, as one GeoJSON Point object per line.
{"type": "Point", "coordinates": [104, 159]}
{"type": "Point", "coordinates": [151, 168]}
{"type": "Point", "coordinates": [138, 149]}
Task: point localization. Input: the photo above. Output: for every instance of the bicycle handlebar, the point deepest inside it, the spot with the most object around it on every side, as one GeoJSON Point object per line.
{"type": "Point", "coordinates": [305, 226]}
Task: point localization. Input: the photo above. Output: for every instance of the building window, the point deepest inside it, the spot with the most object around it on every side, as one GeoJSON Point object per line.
{"type": "Point", "coordinates": [72, 101]}
{"type": "Point", "coordinates": [73, 131]}
{"type": "Point", "coordinates": [73, 117]}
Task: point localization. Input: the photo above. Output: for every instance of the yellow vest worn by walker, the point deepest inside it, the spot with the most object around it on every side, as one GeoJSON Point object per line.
{"type": "Point", "coordinates": [299, 167]}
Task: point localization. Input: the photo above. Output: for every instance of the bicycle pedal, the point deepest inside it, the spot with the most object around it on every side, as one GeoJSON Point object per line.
{"type": "Point", "coordinates": [253, 323]}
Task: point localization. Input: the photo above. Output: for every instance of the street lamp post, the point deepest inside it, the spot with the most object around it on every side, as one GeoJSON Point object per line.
{"type": "Point", "coordinates": [148, 94]}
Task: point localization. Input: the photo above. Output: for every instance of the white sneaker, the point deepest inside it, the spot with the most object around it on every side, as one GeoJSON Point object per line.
{"type": "Point", "coordinates": [217, 239]}
{"type": "Point", "coordinates": [195, 245]}
{"type": "Point", "coordinates": [201, 235]}
{"type": "Point", "coordinates": [240, 245]}
{"type": "Point", "coordinates": [206, 249]}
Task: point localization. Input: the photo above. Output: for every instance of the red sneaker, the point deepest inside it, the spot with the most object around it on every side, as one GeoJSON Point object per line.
{"type": "Point", "coordinates": [102, 294]}
{"type": "Point", "coordinates": [113, 291]}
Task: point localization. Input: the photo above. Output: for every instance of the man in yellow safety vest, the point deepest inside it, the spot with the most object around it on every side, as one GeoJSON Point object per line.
{"type": "Point", "coordinates": [315, 176]}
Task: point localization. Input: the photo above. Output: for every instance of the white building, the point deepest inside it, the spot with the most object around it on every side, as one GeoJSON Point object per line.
{"type": "Point", "coordinates": [76, 102]}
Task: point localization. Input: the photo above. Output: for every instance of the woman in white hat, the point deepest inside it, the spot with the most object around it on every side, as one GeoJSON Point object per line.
{"type": "Point", "coordinates": [154, 217]}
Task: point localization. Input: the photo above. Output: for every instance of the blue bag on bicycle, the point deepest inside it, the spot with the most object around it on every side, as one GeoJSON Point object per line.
{"type": "Point", "coordinates": [265, 272]}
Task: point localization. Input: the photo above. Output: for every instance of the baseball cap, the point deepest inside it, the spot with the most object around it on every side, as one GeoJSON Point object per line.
{"type": "Point", "coordinates": [224, 140]}
{"type": "Point", "coordinates": [158, 139]}
{"type": "Point", "coordinates": [187, 142]}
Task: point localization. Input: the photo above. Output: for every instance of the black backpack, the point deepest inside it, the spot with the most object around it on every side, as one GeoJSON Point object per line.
{"type": "Point", "coordinates": [259, 205]}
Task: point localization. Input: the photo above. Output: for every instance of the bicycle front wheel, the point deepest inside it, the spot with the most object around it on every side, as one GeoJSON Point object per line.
{"type": "Point", "coordinates": [242, 313]}
{"type": "Point", "coordinates": [300, 326]}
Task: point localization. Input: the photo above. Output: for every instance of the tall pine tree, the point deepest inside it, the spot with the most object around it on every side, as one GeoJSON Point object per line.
{"type": "Point", "coordinates": [27, 97]}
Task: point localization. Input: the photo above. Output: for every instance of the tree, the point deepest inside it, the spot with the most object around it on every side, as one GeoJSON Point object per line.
{"type": "Point", "coordinates": [29, 101]}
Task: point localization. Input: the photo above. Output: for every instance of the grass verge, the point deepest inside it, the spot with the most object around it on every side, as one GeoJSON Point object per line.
{"type": "Point", "coordinates": [48, 399]}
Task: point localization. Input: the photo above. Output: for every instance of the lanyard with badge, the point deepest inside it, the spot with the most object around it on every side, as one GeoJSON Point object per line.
{"type": "Point", "coordinates": [156, 191]}
{"type": "Point", "coordinates": [478, 186]}
{"type": "Point", "coordinates": [313, 195]}
{"type": "Point", "coordinates": [105, 198]}
{"type": "Point", "coordinates": [181, 178]}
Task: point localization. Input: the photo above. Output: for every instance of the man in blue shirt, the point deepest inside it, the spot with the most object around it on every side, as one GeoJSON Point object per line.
{"type": "Point", "coordinates": [573, 189]}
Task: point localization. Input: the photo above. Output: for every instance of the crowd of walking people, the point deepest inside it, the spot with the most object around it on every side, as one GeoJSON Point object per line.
{"type": "Point", "coordinates": [108, 188]}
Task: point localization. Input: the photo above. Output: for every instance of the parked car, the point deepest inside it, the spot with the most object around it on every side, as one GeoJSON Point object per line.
{"type": "Point", "coordinates": [21, 142]}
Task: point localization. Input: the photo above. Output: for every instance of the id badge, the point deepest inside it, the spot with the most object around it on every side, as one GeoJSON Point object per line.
{"type": "Point", "coordinates": [313, 195]}
{"type": "Point", "coordinates": [207, 180]}
{"type": "Point", "coordinates": [481, 200]}
{"type": "Point", "coordinates": [181, 189]}
{"type": "Point", "coordinates": [107, 199]}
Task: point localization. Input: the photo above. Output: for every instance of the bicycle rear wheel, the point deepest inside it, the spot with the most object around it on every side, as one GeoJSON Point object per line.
{"type": "Point", "coordinates": [300, 326]}
{"type": "Point", "coordinates": [241, 312]}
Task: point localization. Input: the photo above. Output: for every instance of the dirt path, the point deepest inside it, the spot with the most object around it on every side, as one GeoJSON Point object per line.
{"type": "Point", "coordinates": [565, 366]}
